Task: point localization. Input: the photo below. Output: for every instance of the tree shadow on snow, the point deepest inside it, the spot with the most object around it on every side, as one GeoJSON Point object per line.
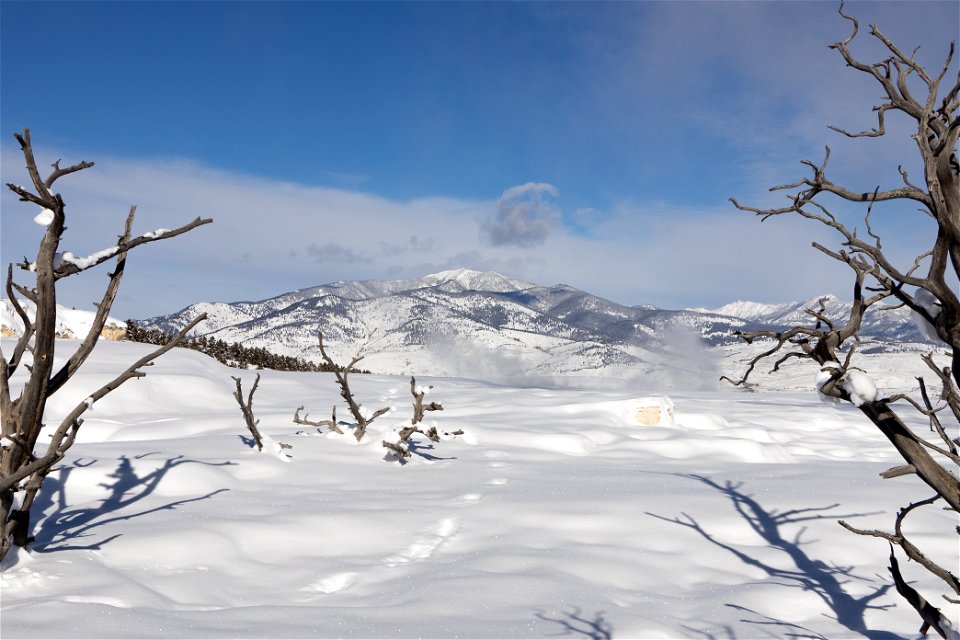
{"type": "Point", "coordinates": [65, 526]}
{"type": "Point", "coordinates": [248, 441]}
{"type": "Point", "coordinates": [423, 449]}
{"type": "Point", "coordinates": [573, 623]}
{"type": "Point", "coordinates": [771, 628]}
{"type": "Point", "coordinates": [725, 632]}
{"type": "Point", "coordinates": [807, 573]}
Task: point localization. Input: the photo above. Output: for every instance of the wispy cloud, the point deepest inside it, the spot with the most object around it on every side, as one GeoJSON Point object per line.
{"type": "Point", "coordinates": [345, 180]}
{"type": "Point", "coordinates": [413, 244]}
{"type": "Point", "coordinates": [270, 237]}
{"type": "Point", "coordinates": [334, 252]}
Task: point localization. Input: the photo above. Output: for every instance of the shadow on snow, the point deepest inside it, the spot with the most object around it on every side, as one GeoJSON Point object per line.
{"type": "Point", "coordinates": [807, 573]}
{"type": "Point", "coordinates": [573, 623]}
{"type": "Point", "coordinates": [422, 449]}
{"type": "Point", "coordinates": [66, 526]}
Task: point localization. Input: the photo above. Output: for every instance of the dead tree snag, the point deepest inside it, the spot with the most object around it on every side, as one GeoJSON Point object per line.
{"type": "Point", "coordinates": [319, 424]}
{"type": "Point", "coordinates": [22, 467]}
{"type": "Point", "coordinates": [246, 407]}
{"type": "Point", "coordinates": [363, 419]}
{"type": "Point", "coordinates": [922, 285]}
{"type": "Point", "coordinates": [398, 440]}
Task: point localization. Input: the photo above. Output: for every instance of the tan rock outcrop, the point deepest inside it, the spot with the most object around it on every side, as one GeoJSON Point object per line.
{"type": "Point", "coordinates": [110, 332]}
{"type": "Point", "coordinates": [113, 332]}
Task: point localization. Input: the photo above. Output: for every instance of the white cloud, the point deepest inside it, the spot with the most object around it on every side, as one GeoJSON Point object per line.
{"type": "Point", "coordinates": [525, 216]}
{"type": "Point", "coordinates": [267, 237]}
{"type": "Point", "coordinates": [585, 216]}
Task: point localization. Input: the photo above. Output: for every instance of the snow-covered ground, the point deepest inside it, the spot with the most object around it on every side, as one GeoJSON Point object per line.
{"type": "Point", "coordinates": [555, 515]}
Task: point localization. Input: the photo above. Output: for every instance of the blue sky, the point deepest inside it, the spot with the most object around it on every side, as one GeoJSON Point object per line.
{"type": "Point", "coordinates": [593, 144]}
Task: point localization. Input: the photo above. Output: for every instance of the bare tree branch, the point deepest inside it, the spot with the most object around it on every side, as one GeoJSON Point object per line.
{"type": "Point", "coordinates": [936, 136]}
{"type": "Point", "coordinates": [419, 409]}
{"type": "Point", "coordinates": [342, 373]}
{"type": "Point", "coordinates": [69, 268]}
{"type": "Point", "coordinates": [246, 407]}
{"type": "Point", "coordinates": [21, 469]}
{"type": "Point", "coordinates": [63, 437]}
{"type": "Point", "coordinates": [330, 424]}
{"type": "Point", "coordinates": [401, 446]}
{"type": "Point", "coordinates": [913, 552]}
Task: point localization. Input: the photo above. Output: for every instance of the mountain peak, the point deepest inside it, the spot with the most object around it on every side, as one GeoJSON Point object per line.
{"type": "Point", "coordinates": [472, 280]}
{"type": "Point", "coordinates": [453, 274]}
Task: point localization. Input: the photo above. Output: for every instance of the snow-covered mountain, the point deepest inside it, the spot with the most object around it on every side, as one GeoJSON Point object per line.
{"type": "Point", "coordinates": [471, 323]}
{"type": "Point", "coordinates": [892, 324]}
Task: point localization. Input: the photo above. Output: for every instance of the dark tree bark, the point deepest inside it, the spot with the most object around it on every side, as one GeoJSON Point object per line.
{"type": "Point", "coordinates": [246, 408]}
{"type": "Point", "coordinates": [22, 468]}
{"type": "Point", "coordinates": [921, 285]}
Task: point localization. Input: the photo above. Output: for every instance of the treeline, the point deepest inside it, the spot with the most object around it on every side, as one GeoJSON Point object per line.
{"type": "Point", "coordinates": [229, 353]}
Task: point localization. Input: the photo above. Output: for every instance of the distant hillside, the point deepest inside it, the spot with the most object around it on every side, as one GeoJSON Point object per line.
{"type": "Point", "coordinates": [484, 324]}
{"type": "Point", "coordinates": [71, 323]}
{"type": "Point", "coordinates": [894, 324]}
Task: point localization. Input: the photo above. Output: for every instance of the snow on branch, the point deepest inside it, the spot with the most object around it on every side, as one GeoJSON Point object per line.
{"type": "Point", "coordinates": [69, 264]}
{"type": "Point", "coordinates": [930, 296]}
{"type": "Point", "coordinates": [22, 418]}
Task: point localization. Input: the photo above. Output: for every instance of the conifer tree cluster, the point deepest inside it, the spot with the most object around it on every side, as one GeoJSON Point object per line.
{"type": "Point", "coordinates": [229, 353]}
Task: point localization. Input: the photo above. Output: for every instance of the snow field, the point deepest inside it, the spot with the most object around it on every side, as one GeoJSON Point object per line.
{"type": "Point", "coordinates": [553, 511]}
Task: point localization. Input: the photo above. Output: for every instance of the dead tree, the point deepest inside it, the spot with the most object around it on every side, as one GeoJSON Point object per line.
{"type": "Point", "coordinates": [22, 467]}
{"type": "Point", "coordinates": [246, 407]}
{"type": "Point", "coordinates": [397, 441]}
{"type": "Point", "coordinates": [922, 286]}
{"type": "Point", "coordinates": [319, 424]}
{"type": "Point", "coordinates": [419, 409]}
{"type": "Point", "coordinates": [400, 446]}
{"type": "Point", "coordinates": [363, 419]}
{"type": "Point", "coordinates": [400, 443]}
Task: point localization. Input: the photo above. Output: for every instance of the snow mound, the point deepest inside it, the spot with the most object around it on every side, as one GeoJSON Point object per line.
{"type": "Point", "coordinates": [555, 508]}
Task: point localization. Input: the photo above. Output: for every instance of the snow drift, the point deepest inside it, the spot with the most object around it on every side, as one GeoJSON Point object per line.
{"type": "Point", "coordinates": [554, 514]}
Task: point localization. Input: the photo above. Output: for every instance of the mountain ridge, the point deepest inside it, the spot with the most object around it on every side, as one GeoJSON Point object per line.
{"type": "Point", "coordinates": [470, 323]}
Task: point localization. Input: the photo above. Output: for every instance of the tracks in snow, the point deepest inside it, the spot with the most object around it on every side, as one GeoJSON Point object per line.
{"type": "Point", "coordinates": [429, 542]}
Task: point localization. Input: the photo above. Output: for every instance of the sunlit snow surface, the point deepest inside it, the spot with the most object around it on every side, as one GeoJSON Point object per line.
{"type": "Point", "coordinates": [555, 515]}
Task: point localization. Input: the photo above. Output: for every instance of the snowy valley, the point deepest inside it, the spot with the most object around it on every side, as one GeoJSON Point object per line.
{"type": "Point", "coordinates": [556, 514]}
